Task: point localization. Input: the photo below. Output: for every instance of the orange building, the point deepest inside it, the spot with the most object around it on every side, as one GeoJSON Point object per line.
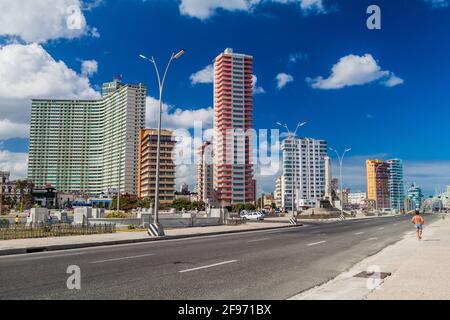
{"type": "Point", "coordinates": [147, 165]}
{"type": "Point", "coordinates": [377, 172]}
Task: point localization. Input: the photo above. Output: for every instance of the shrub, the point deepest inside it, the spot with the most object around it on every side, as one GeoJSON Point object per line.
{"type": "Point", "coordinates": [4, 223]}
{"type": "Point", "coordinates": [116, 215]}
{"type": "Point", "coordinates": [131, 227]}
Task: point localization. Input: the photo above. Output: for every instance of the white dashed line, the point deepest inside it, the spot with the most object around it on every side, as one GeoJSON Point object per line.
{"type": "Point", "coordinates": [358, 233]}
{"type": "Point", "coordinates": [209, 266]}
{"type": "Point", "coordinates": [316, 243]}
{"type": "Point", "coordinates": [123, 258]}
{"type": "Point", "coordinates": [371, 239]}
{"type": "Point", "coordinates": [257, 240]}
{"type": "Point", "coordinates": [381, 228]}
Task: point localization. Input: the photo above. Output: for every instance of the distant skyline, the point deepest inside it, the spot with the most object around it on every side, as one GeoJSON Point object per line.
{"type": "Point", "coordinates": [384, 93]}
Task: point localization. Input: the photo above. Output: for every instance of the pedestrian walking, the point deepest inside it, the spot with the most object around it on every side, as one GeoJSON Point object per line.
{"type": "Point", "coordinates": [16, 220]}
{"type": "Point", "coordinates": [418, 222]}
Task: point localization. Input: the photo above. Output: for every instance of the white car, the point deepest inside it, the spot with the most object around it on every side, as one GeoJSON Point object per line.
{"type": "Point", "coordinates": [258, 216]}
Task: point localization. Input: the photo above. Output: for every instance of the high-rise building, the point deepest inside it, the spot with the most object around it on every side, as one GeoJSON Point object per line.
{"type": "Point", "coordinates": [416, 196]}
{"type": "Point", "coordinates": [205, 178]}
{"type": "Point", "coordinates": [88, 146]}
{"type": "Point", "coordinates": [278, 194]}
{"type": "Point", "coordinates": [147, 165]}
{"type": "Point", "coordinates": [303, 171]}
{"type": "Point", "coordinates": [378, 175]}
{"type": "Point", "coordinates": [233, 119]}
{"type": "Point", "coordinates": [396, 187]}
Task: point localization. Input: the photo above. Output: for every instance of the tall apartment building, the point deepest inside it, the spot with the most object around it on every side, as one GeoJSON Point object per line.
{"type": "Point", "coordinates": [416, 196]}
{"type": "Point", "coordinates": [147, 165]}
{"type": "Point", "coordinates": [205, 178]}
{"type": "Point", "coordinates": [88, 146]}
{"type": "Point", "coordinates": [233, 116]}
{"type": "Point", "coordinates": [303, 171]}
{"type": "Point", "coordinates": [378, 175]}
{"type": "Point", "coordinates": [396, 187]}
{"type": "Point", "coordinates": [278, 194]}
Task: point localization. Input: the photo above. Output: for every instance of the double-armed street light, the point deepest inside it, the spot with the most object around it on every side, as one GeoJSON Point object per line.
{"type": "Point", "coordinates": [341, 160]}
{"type": "Point", "coordinates": [156, 229]}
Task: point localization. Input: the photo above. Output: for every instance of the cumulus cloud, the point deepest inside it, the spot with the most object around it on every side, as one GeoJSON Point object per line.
{"type": "Point", "coordinates": [176, 118]}
{"type": "Point", "coordinates": [89, 67]}
{"type": "Point", "coordinates": [206, 75]}
{"type": "Point", "coordinates": [43, 20]}
{"type": "Point", "coordinates": [257, 89]}
{"type": "Point", "coordinates": [10, 130]}
{"type": "Point", "coordinates": [14, 162]}
{"type": "Point", "coordinates": [355, 70]}
{"type": "Point", "coordinates": [204, 9]}
{"type": "Point", "coordinates": [28, 71]}
{"type": "Point", "coordinates": [283, 79]}
{"type": "Point", "coordinates": [296, 57]}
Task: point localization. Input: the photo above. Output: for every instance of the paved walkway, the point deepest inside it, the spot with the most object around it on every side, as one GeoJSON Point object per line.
{"type": "Point", "coordinates": [419, 270]}
{"type": "Point", "coordinates": [20, 245]}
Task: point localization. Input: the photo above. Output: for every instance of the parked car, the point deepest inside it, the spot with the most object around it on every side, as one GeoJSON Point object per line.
{"type": "Point", "coordinates": [258, 216]}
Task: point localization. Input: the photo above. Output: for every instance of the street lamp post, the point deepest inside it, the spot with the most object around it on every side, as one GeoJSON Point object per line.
{"type": "Point", "coordinates": [341, 160]}
{"type": "Point", "coordinates": [291, 136]}
{"type": "Point", "coordinates": [157, 229]}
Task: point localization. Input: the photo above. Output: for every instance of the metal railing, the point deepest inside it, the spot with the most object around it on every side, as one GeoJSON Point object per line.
{"type": "Point", "coordinates": [52, 230]}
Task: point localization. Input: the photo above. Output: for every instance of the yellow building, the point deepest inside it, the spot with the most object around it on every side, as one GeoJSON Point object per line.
{"type": "Point", "coordinates": [147, 165]}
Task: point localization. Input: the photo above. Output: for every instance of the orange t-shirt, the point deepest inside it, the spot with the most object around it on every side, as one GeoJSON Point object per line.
{"type": "Point", "coordinates": [417, 220]}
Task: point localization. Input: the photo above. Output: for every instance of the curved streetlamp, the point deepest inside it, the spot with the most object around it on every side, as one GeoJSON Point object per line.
{"type": "Point", "coordinates": [159, 230]}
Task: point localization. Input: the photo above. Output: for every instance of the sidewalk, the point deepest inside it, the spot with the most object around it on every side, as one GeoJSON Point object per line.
{"type": "Point", "coordinates": [20, 246]}
{"type": "Point", "coordinates": [419, 270]}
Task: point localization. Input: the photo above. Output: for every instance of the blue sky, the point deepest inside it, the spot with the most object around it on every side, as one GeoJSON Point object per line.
{"type": "Point", "coordinates": [293, 40]}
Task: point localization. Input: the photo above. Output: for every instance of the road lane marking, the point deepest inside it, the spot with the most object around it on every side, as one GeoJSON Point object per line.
{"type": "Point", "coordinates": [315, 243]}
{"type": "Point", "coordinates": [358, 233]}
{"type": "Point", "coordinates": [395, 224]}
{"type": "Point", "coordinates": [371, 239]}
{"type": "Point", "coordinates": [381, 228]}
{"type": "Point", "coordinates": [123, 258]}
{"type": "Point", "coordinates": [257, 240]}
{"type": "Point", "coordinates": [208, 266]}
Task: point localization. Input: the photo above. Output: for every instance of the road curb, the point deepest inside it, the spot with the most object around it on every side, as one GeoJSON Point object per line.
{"type": "Point", "coordinates": [58, 247]}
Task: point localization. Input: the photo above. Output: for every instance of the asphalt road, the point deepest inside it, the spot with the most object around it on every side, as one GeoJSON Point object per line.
{"type": "Point", "coordinates": [274, 264]}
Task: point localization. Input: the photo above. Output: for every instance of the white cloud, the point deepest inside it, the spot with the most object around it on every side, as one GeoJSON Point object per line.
{"type": "Point", "coordinates": [177, 118]}
{"type": "Point", "coordinates": [28, 71]}
{"type": "Point", "coordinates": [354, 70]}
{"type": "Point", "coordinates": [438, 3]}
{"type": "Point", "coordinates": [205, 75]}
{"type": "Point", "coordinates": [257, 89]}
{"type": "Point", "coordinates": [283, 79]}
{"type": "Point", "coordinates": [89, 67]}
{"type": "Point", "coordinates": [204, 9]}
{"type": "Point", "coordinates": [10, 130]}
{"type": "Point", "coordinates": [43, 20]}
{"type": "Point", "coordinates": [393, 81]}
{"type": "Point", "coordinates": [14, 162]}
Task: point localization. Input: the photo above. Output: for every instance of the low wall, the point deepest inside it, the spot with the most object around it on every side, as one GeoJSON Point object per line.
{"type": "Point", "coordinates": [119, 222]}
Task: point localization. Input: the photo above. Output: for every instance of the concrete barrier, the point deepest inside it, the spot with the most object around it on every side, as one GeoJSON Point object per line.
{"type": "Point", "coordinates": [119, 222]}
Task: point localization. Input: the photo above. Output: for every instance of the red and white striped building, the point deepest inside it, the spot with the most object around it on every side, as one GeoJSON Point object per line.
{"type": "Point", "coordinates": [233, 122]}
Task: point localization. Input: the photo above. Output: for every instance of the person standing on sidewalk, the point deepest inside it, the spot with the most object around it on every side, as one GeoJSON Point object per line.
{"type": "Point", "coordinates": [418, 222]}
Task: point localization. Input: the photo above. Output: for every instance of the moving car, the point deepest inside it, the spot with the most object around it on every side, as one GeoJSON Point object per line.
{"type": "Point", "coordinates": [258, 216]}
